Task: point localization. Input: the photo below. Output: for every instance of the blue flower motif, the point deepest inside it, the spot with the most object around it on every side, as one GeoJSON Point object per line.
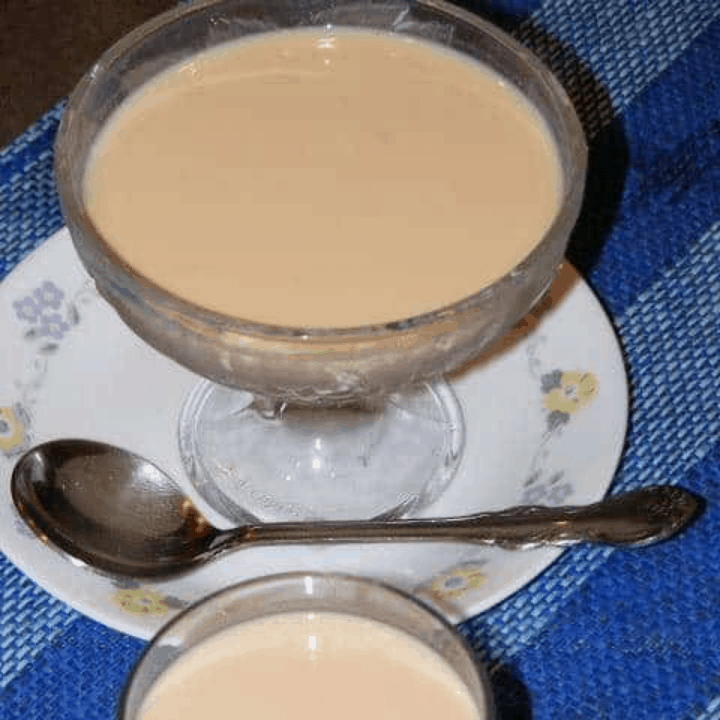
{"type": "Point", "coordinates": [27, 309]}
{"type": "Point", "coordinates": [53, 326]}
{"type": "Point", "coordinates": [559, 493]}
{"type": "Point", "coordinates": [533, 495]}
{"type": "Point", "coordinates": [49, 295]}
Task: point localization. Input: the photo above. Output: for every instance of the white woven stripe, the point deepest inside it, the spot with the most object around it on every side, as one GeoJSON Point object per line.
{"type": "Point", "coordinates": [712, 711]}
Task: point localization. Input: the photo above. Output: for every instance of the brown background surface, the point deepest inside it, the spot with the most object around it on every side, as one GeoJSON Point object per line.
{"type": "Point", "coordinates": [46, 46]}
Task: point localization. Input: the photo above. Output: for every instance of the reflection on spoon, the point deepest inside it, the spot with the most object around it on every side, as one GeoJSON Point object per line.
{"type": "Point", "coordinates": [121, 514]}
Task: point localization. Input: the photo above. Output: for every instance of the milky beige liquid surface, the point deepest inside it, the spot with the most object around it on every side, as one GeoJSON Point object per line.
{"type": "Point", "coordinates": [311, 180]}
{"type": "Point", "coordinates": [325, 666]}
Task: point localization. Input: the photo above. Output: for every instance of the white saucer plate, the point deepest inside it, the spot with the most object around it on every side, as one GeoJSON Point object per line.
{"type": "Point", "coordinates": [545, 421]}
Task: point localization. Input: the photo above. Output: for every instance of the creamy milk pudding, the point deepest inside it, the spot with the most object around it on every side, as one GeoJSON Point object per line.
{"type": "Point", "coordinates": [314, 666]}
{"type": "Point", "coordinates": [324, 180]}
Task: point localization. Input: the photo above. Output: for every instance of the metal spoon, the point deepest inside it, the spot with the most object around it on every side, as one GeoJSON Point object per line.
{"type": "Point", "coordinates": [119, 513]}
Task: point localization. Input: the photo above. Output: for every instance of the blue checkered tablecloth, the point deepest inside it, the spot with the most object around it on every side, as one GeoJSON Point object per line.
{"type": "Point", "coordinates": [602, 633]}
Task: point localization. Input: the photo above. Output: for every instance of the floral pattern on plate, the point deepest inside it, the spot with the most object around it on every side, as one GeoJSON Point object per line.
{"type": "Point", "coordinates": [12, 430]}
{"type": "Point", "coordinates": [564, 393]}
{"type": "Point", "coordinates": [137, 599]}
{"type": "Point", "coordinates": [46, 314]}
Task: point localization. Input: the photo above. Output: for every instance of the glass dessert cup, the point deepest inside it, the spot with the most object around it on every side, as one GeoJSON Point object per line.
{"type": "Point", "coordinates": [316, 422]}
{"type": "Point", "coordinates": [311, 594]}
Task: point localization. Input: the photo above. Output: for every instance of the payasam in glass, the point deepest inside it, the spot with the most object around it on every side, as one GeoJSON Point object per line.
{"type": "Point", "coordinates": [324, 419]}
{"type": "Point", "coordinates": [342, 646]}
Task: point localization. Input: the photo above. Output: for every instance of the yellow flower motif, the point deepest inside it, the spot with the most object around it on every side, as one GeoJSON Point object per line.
{"type": "Point", "coordinates": [457, 582]}
{"type": "Point", "coordinates": [12, 431]}
{"type": "Point", "coordinates": [141, 602]}
{"type": "Point", "coordinates": [577, 390]}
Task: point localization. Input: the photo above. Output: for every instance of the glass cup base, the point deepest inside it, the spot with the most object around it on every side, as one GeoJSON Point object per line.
{"type": "Point", "coordinates": [256, 460]}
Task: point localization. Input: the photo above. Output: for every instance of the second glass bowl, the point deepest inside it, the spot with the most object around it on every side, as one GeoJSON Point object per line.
{"type": "Point", "coordinates": [293, 615]}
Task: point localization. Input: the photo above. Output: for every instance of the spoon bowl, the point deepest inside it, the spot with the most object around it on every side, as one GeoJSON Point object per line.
{"type": "Point", "coordinates": [108, 507]}
{"type": "Point", "coordinates": [121, 514]}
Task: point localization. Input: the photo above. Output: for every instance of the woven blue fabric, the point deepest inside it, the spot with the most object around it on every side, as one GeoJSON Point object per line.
{"type": "Point", "coordinates": [601, 633]}
{"type": "Point", "coordinates": [30, 619]}
{"type": "Point", "coordinates": [638, 636]}
{"type": "Point", "coordinates": [80, 674]}
{"type": "Point", "coordinates": [29, 207]}
{"type": "Point", "coordinates": [665, 405]}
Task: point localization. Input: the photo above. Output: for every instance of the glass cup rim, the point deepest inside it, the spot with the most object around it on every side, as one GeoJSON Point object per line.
{"type": "Point", "coordinates": [268, 583]}
{"type": "Point", "coordinates": [177, 306]}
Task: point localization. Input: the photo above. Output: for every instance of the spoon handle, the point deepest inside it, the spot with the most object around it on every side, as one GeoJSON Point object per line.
{"type": "Point", "coordinates": [632, 519]}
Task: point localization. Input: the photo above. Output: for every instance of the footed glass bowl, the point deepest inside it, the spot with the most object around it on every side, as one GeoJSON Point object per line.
{"type": "Point", "coordinates": [280, 372]}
